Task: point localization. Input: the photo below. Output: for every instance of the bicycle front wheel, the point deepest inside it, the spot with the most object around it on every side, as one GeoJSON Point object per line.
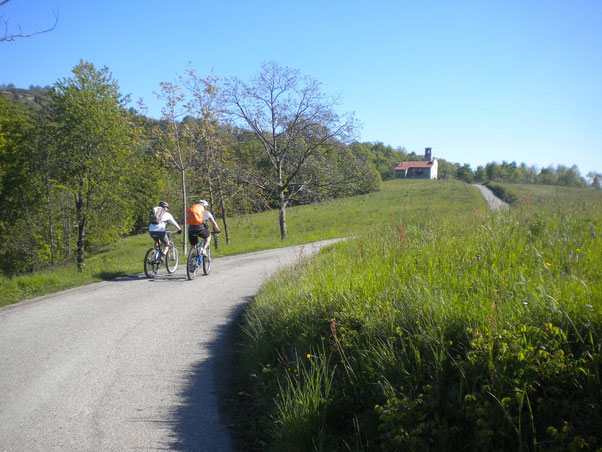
{"type": "Point", "coordinates": [151, 266]}
{"type": "Point", "coordinates": [172, 259]}
{"type": "Point", "coordinates": [192, 262]}
{"type": "Point", "coordinates": [207, 262]}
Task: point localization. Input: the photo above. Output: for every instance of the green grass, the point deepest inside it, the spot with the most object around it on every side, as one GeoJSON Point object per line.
{"type": "Point", "coordinates": [442, 330]}
{"type": "Point", "coordinates": [338, 218]}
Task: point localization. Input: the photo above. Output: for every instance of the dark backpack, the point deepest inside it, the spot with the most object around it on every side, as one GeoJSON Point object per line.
{"type": "Point", "coordinates": [156, 215]}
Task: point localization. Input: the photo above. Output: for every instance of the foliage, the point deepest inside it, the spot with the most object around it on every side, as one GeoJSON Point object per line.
{"type": "Point", "coordinates": [91, 162]}
{"type": "Point", "coordinates": [445, 330]}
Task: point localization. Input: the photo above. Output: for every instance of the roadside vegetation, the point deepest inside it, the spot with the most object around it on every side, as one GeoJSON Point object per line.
{"type": "Point", "coordinates": [254, 232]}
{"type": "Point", "coordinates": [438, 328]}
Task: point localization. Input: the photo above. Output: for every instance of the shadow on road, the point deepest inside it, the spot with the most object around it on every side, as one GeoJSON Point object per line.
{"type": "Point", "coordinates": [193, 425]}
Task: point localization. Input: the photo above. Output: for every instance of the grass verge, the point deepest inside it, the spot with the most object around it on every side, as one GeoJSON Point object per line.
{"type": "Point", "coordinates": [438, 331]}
{"type": "Point", "coordinates": [333, 219]}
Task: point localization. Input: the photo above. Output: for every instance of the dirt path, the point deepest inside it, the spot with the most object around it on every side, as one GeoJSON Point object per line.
{"type": "Point", "coordinates": [494, 202]}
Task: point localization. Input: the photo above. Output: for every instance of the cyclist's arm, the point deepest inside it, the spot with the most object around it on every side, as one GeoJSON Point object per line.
{"type": "Point", "coordinates": [215, 226]}
{"type": "Point", "coordinates": [173, 222]}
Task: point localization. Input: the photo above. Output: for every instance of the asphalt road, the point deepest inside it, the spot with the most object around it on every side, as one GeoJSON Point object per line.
{"type": "Point", "coordinates": [128, 364]}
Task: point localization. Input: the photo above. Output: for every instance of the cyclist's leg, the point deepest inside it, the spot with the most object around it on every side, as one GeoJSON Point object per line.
{"type": "Point", "coordinates": [206, 235]}
{"type": "Point", "coordinates": [193, 238]}
{"type": "Point", "coordinates": [161, 239]}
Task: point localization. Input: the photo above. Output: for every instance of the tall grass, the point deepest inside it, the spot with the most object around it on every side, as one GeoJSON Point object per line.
{"type": "Point", "coordinates": [440, 331]}
{"type": "Point", "coordinates": [337, 218]}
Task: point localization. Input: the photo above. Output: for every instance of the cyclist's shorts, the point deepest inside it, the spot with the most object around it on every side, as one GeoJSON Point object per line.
{"type": "Point", "coordinates": [194, 232]}
{"type": "Point", "coordinates": [159, 235]}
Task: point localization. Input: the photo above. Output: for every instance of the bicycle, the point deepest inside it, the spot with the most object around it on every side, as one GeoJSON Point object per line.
{"type": "Point", "coordinates": [196, 260]}
{"type": "Point", "coordinates": [154, 255]}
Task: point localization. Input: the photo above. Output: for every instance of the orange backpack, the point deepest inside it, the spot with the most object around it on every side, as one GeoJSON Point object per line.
{"type": "Point", "coordinates": [194, 215]}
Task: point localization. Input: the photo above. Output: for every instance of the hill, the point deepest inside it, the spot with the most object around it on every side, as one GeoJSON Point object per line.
{"type": "Point", "coordinates": [25, 97]}
{"type": "Point", "coordinates": [337, 218]}
{"type": "Point", "coordinates": [438, 329]}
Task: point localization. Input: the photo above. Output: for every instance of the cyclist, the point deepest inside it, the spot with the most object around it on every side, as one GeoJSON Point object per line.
{"type": "Point", "coordinates": [159, 217]}
{"type": "Point", "coordinates": [197, 217]}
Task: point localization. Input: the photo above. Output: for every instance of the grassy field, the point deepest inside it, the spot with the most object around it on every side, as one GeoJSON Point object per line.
{"type": "Point", "coordinates": [444, 328]}
{"type": "Point", "coordinates": [338, 218]}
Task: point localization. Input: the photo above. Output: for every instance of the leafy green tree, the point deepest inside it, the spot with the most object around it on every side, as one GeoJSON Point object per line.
{"type": "Point", "coordinates": [480, 175]}
{"type": "Point", "coordinates": [464, 173]}
{"type": "Point", "coordinates": [93, 133]}
{"type": "Point", "coordinates": [19, 191]}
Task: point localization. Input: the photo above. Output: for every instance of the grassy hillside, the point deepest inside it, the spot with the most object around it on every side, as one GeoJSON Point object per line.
{"type": "Point", "coordinates": [444, 329]}
{"type": "Point", "coordinates": [338, 218]}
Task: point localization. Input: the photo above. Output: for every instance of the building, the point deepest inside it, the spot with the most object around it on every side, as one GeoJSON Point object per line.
{"type": "Point", "coordinates": [426, 169]}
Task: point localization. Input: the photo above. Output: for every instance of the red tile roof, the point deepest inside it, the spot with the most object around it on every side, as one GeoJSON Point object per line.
{"type": "Point", "coordinates": [403, 166]}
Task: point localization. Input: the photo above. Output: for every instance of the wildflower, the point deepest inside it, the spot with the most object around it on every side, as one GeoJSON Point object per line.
{"type": "Point", "coordinates": [578, 250]}
{"type": "Point", "coordinates": [308, 356]}
{"type": "Point", "coordinates": [548, 264]}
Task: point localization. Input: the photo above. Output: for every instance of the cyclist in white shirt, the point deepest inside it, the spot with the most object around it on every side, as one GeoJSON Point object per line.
{"type": "Point", "coordinates": [157, 230]}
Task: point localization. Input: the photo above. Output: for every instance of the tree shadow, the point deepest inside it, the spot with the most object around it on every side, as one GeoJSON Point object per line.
{"type": "Point", "coordinates": [193, 424]}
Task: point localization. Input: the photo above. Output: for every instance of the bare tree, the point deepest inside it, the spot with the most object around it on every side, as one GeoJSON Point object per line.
{"type": "Point", "coordinates": [293, 120]}
{"type": "Point", "coordinates": [6, 35]}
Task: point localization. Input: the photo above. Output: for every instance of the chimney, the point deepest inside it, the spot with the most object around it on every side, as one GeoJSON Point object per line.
{"type": "Point", "coordinates": [427, 154]}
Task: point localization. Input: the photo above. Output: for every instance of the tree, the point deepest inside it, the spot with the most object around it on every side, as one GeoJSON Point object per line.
{"type": "Point", "coordinates": [464, 173]}
{"type": "Point", "coordinates": [92, 133]}
{"type": "Point", "coordinates": [191, 139]}
{"type": "Point", "coordinates": [19, 191]}
{"type": "Point", "coordinates": [293, 121]}
{"type": "Point", "coordinates": [7, 35]}
{"type": "Point", "coordinates": [174, 139]}
{"type": "Point", "coordinates": [595, 178]}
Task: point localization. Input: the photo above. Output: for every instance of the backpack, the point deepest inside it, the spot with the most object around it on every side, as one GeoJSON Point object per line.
{"type": "Point", "coordinates": [156, 215]}
{"type": "Point", "coordinates": [194, 215]}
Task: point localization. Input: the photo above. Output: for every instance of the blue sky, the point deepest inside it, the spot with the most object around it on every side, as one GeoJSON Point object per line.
{"type": "Point", "coordinates": [476, 80]}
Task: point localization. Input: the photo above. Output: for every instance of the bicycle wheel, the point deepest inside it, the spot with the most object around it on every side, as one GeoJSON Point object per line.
{"type": "Point", "coordinates": [173, 257]}
{"type": "Point", "coordinates": [207, 262]}
{"type": "Point", "coordinates": [191, 262]}
{"type": "Point", "coordinates": [151, 266]}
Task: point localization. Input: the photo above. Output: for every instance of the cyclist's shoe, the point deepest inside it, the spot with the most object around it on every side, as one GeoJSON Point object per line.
{"type": "Point", "coordinates": [203, 252]}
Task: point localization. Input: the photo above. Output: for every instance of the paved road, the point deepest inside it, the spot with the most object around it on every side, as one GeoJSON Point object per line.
{"type": "Point", "coordinates": [494, 202]}
{"type": "Point", "coordinates": [126, 364]}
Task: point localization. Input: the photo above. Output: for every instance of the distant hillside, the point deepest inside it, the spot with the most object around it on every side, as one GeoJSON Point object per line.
{"type": "Point", "coordinates": [23, 96]}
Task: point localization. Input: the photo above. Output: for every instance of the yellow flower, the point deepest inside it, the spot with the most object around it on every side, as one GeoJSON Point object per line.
{"type": "Point", "coordinates": [308, 356]}
{"type": "Point", "coordinates": [548, 264]}
{"type": "Point", "coordinates": [578, 250]}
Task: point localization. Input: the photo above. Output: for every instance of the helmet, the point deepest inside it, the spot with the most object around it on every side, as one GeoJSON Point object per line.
{"type": "Point", "coordinates": [164, 205]}
{"type": "Point", "coordinates": [204, 203]}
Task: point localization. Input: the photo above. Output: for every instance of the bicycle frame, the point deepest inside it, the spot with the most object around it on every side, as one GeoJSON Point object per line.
{"type": "Point", "coordinates": [196, 260]}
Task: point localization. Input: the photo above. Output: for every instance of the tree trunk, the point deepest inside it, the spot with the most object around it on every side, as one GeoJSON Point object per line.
{"type": "Point", "coordinates": [282, 214]}
{"type": "Point", "coordinates": [223, 208]}
{"type": "Point", "coordinates": [50, 224]}
{"type": "Point", "coordinates": [183, 226]}
{"type": "Point", "coordinates": [224, 220]}
{"type": "Point", "coordinates": [81, 226]}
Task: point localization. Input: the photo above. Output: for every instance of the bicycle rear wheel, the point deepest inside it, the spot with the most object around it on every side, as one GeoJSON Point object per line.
{"type": "Point", "coordinates": [151, 266]}
{"type": "Point", "coordinates": [172, 259]}
{"type": "Point", "coordinates": [191, 262]}
{"type": "Point", "coordinates": [207, 262]}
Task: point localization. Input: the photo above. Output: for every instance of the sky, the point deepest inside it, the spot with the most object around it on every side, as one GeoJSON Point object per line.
{"type": "Point", "coordinates": [478, 81]}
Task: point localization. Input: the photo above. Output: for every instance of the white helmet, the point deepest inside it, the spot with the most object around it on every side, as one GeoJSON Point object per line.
{"type": "Point", "coordinates": [204, 203]}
